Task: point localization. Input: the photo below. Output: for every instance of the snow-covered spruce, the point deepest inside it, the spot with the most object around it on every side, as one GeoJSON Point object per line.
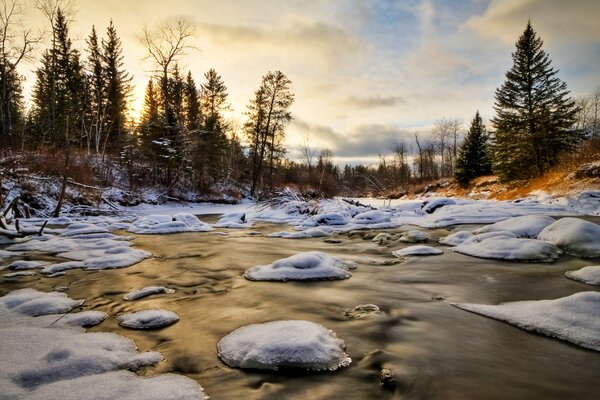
{"type": "Point", "coordinates": [574, 236]}
{"type": "Point", "coordinates": [527, 226]}
{"type": "Point", "coordinates": [308, 266]}
{"type": "Point", "coordinates": [589, 275]}
{"type": "Point", "coordinates": [574, 318]}
{"type": "Point", "coordinates": [49, 357]}
{"type": "Point", "coordinates": [418, 250]}
{"type": "Point", "coordinates": [414, 236]}
{"type": "Point", "coordinates": [148, 319]}
{"type": "Point", "coordinates": [283, 344]}
{"type": "Point", "coordinates": [511, 249]}
{"type": "Point", "coordinates": [162, 224]}
{"type": "Point", "coordinates": [147, 291]}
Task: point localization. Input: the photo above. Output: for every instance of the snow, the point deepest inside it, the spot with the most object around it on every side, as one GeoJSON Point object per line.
{"type": "Point", "coordinates": [574, 236]}
{"type": "Point", "coordinates": [511, 249]}
{"type": "Point", "coordinates": [235, 220]}
{"type": "Point", "coordinates": [464, 237]}
{"type": "Point", "coordinates": [162, 224]}
{"type": "Point", "coordinates": [589, 275]}
{"type": "Point", "coordinates": [50, 357]}
{"type": "Point", "coordinates": [371, 217]}
{"type": "Point", "coordinates": [527, 226]}
{"type": "Point", "coordinates": [82, 229]}
{"type": "Point", "coordinates": [457, 238]}
{"type": "Point", "coordinates": [414, 236]}
{"type": "Point", "coordinates": [283, 344]}
{"type": "Point", "coordinates": [433, 205]}
{"type": "Point", "coordinates": [22, 265]}
{"type": "Point", "coordinates": [148, 319]}
{"type": "Point", "coordinates": [328, 218]}
{"type": "Point", "coordinates": [575, 318]}
{"type": "Point", "coordinates": [308, 233]}
{"type": "Point", "coordinates": [418, 250]}
{"type": "Point", "coordinates": [147, 291]}
{"type": "Point", "coordinates": [18, 273]}
{"type": "Point", "coordinates": [313, 265]}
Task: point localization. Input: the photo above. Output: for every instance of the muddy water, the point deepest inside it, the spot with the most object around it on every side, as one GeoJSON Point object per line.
{"type": "Point", "coordinates": [435, 350]}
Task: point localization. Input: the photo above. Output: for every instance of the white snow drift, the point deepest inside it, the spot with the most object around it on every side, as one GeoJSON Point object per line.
{"type": "Point", "coordinates": [313, 265]}
{"type": "Point", "coordinates": [418, 250]}
{"type": "Point", "coordinates": [148, 319]}
{"type": "Point", "coordinates": [527, 226]}
{"type": "Point", "coordinates": [574, 236]}
{"type": "Point", "coordinates": [414, 236]}
{"type": "Point", "coordinates": [575, 318]}
{"type": "Point", "coordinates": [510, 249]}
{"type": "Point", "coordinates": [161, 224]}
{"type": "Point", "coordinates": [589, 275]}
{"type": "Point", "coordinates": [283, 344]}
{"type": "Point", "coordinates": [147, 291]}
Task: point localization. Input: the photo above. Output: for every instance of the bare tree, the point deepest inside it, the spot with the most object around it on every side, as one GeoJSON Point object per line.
{"type": "Point", "coordinates": [308, 151]}
{"type": "Point", "coordinates": [401, 151]}
{"type": "Point", "coordinates": [16, 45]}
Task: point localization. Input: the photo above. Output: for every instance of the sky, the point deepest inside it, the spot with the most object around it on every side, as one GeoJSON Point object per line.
{"type": "Point", "coordinates": [365, 73]}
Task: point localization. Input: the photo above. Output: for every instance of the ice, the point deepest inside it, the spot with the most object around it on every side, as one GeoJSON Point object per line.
{"type": "Point", "coordinates": [18, 273]}
{"type": "Point", "coordinates": [235, 220]}
{"type": "Point", "coordinates": [414, 236]}
{"type": "Point", "coordinates": [162, 224]}
{"type": "Point", "coordinates": [371, 217]}
{"type": "Point", "coordinates": [148, 319]}
{"type": "Point", "coordinates": [527, 226]}
{"type": "Point", "coordinates": [575, 318]}
{"type": "Point", "coordinates": [33, 303]}
{"type": "Point", "coordinates": [464, 237]}
{"type": "Point", "coordinates": [22, 265]}
{"type": "Point", "coordinates": [313, 265]}
{"type": "Point", "coordinates": [283, 344]}
{"type": "Point", "coordinates": [574, 236]}
{"type": "Point", "coordinates": [589, 275]}
{"type": "Point", "coordinates": [147, 291]}
{"type": "Point", "coordinates": [511, 249]}
{"type": "Point", "coordinates": [418, 250]}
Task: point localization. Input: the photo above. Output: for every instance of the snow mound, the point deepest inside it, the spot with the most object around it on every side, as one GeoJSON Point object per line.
{"type": "Point", "coordinates": [312, 265]}
{"type": "Point", "coordinates": [511, 249]}
{"type": "Point", "coordinates": [148, 319]}
{"type": "Point", "coordinates": [235, 220]}
{"type": "Point", "coordinates": [414, 237]}
{"type": "Point", "coordinates": [575, 318]}
{"type": "Point", "coordinates": [457, 238]}
{"type": "Point", "coordinates": [527, 226]}
{"type": "Point", "coordinates": [162, 224]}
{"type": "Point", "coordinates": [329, 218]}
{"type": "Point", "coordinates": [419, 250]}
{"type": "Point", "coordinates": [308, 233]}
{"type": "Point", "coordinates": [371, 217]}
{"type": "Point", "coordinates": [83, 229]}
{"type": "Point", "coordinates": [33, 303]}
{"type": "Point", "coordinates": [589, 275]}
{"type": "Point", "coordinates": [147, 291]}
{"type": "Point", "coordinates": [574, 236]}
{"type": "Point", "coordinates": [431, 206]}
{"type": "Point", "coordinates": [22, 265]}
{"type": "Point", "coordinates": [283, 344]}
{"type": "Point", "coordinates": [18, 273]}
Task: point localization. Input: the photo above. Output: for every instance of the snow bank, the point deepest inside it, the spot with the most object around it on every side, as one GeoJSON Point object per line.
{"type": "Point", "coordinates": [574, 236]}
{"type": "Point", "coordinates": [162, 224]}
{"type": "Point", "coordinates": [22, 265]}
{"type": "Point", "coordinates": [49, 357]}
{"type": "Point", "coordinates": [589, 275]}
{"type": "Point", "coordinates": [575, 318]}
{"type": "Point", "coordinates": [33, 303]}
{"type": "Point", "coordinates": [371, 217]}
{"type": "Point", "coordinates": [431, 206]}
{"type": "Point", "coordinates": [236, 220]}
{"type": "Point", "coordinates": [527, 226]}
{"type": "Point", "coordinates": [283, 344]}
{"type": "Point", "coordinates": [307, 233]}
{"type": "Point", "coordinates": [414, 237]}
{"type": "Point", "coordinates": [148, 319]}
{"type": "Point", "coordinates": [83, 229]}
{"type": "Point", "coordinates": [419, 250]}
{"type": "Point", "coordinates": [147, 291]}
{"type": "Point", "coordinates": [313, 265]}
{"type": "Point", "coordinates": [329, 218]}
{"type": "Point", "coordinates": [511, 249]}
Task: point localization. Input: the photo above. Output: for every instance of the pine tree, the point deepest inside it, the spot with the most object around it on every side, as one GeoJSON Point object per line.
{"type": "Point", "coordinates": [473, 158]}
{"type": "Point", "coordinates": [118, 87]}
{"type": "Point", "coordinates": [534, 113]}
{"type": "Point", "coordinates": [193, 114]}
{"type": "Point", "coordinates": [96, 75]}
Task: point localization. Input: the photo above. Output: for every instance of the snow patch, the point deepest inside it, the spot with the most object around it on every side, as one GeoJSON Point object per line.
{"type": "Point", "coordinates": [162, 224]}
{"type": "Point", "coordinates": [147, 291]}
{"type": "Point", "coordinates": [419, 250]}
{"type": "Point", "coordinates": [589, 275]}
{"type": "Point", "coordinates": [527, 226]}
{"type": "Point", "coordinates": [574, 236]}
{"type": "Point", "coordinates": [511, 249]}
{"type": "Point", "coordinates": [148, 319]}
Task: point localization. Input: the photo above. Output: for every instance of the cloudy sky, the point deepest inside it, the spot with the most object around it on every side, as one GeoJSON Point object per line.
{"type": "Point", "coordinates": [365, 73]}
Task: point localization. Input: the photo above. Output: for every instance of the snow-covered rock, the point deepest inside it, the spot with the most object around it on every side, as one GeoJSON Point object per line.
{"type": "Point", "coordinates": [23, 265]}
{"type": "Point", "coordinates": [148, 319]}
{"type": "Point", "coordinates": [527, 226]}
{"type": "Point", "coordinates": [589, 275]}
{"type": "Point", "coordinates": [574, 236]}
{"type": "Point", "coordinates": [313, 265]}
{"type": "Point", "coordinates": [283, 344]}
{"type": "Point", "coordinates": [418, 250]}
{"type": "Point", "coordinates": [575, 318]}
{"type": "Point", "coordinates": [147, 291]}
{"type": "Point", "coordinates": [162, 224]}
{"type": "Point", "coordinates": [371, 217]}
{"type": "Point", "coordinates": [33, 303]}
{"type": "Point", "coordinates": [457, 238]}
{"type": "Point", "coordinates": [307, 233]}
{"type": "Point", "coordinates": [511, 249]}
{"type": "Point", "coordinates": [235, 220]}
{"type": "Point", "coordinates": [414, 236]}
{"type": "Point", "coordinates": [432, 205]}
{"type": "Point", "coordinates": [330, 218]}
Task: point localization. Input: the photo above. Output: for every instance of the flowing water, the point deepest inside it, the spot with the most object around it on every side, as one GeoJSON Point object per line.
{"type": "Point", "coordinates": [435, 350]}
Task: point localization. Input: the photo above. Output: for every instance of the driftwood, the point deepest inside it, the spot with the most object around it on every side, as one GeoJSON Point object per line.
{"type": "Point", "coordinates": [18, 233]}
{"type": "Point", "coordinates": [357, 203]}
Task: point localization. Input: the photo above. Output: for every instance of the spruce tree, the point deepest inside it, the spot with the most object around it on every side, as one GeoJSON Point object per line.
{"type": "Point", "coordinates": [96, 75]}
{"type": "Point", "coordinates": [473, 158]}
{"type": "Point", "coordinates": [534, 113]}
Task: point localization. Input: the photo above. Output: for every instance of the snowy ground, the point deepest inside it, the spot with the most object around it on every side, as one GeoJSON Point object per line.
{"type": "Point", "coordinates": [515, 231]}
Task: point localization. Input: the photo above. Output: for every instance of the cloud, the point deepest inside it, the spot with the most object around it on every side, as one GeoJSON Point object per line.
{"type": "Point", "coordinates": [373, 101]}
